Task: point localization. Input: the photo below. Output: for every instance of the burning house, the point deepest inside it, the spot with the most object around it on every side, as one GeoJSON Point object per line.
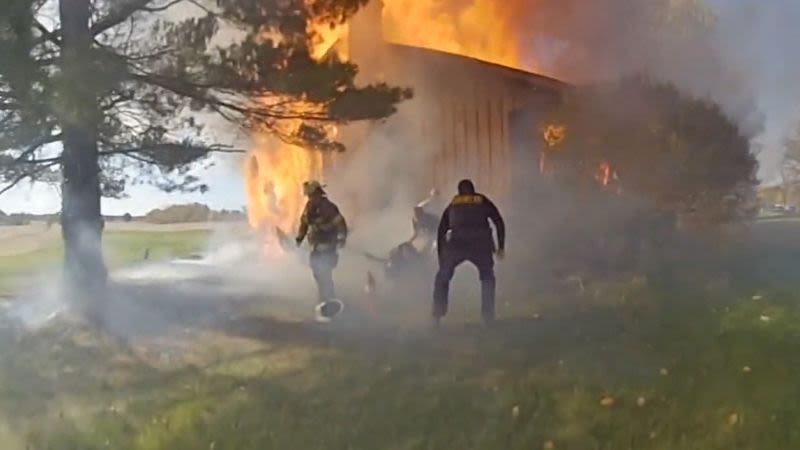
{"type": "Point", "coordinates": [468, 118]}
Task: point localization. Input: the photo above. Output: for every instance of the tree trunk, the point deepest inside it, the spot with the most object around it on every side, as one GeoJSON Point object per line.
{"type": "Point", "coordinates": [81, 219]}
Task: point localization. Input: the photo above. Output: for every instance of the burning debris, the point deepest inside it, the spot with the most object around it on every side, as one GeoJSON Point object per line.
{"type": "Point", "coordinates": [554, 135]}
{"type": "Point", "coordinates": [607, 177]}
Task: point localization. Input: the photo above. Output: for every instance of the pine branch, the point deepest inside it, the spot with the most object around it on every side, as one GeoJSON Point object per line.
{"type": "Point", "coordinates": [47, 35]}
{"type": "Point", "coordinates": [124, 11]}
{"type": "Point", "coordinates": [205, 9]}
{"type": "Point", "coordinates": [163, 7]}
{"type": "Point", "coordinates": [171, 147]}
{"type": "Point", "coordinates": [26, 175]}
{"type": "Point", "coordinates": [195, 91]}
{"type": "Point", "coordinates": [22, 158]}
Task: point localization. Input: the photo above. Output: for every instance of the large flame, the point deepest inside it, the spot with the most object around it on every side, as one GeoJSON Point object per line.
{"type": "Point", "coordinates": [324, 40]}
{"type": "Point", "coordinates": [274, 174]}
{"type": "Point", "coordinates": [478, 29]}
{"type": "Point", "coordinates": [275, 170]}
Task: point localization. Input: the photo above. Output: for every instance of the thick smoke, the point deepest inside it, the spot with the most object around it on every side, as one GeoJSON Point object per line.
{"type": "Point", "coordinates": [737, 52]}
{"type": "Point", "coordinates": [685, 43]}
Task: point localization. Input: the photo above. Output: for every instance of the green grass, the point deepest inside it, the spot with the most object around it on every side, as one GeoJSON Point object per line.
{"type": "Point", "coordinates": [120, 248]}
{"type": "Point", "coordinates": [457, 390]}
{"type": "Point", "coordinates": [125, 247]}
{"type": "Point", "coordinates": [295, 386]}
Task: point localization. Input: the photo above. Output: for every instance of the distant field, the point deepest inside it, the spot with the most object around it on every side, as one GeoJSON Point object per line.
{"type": "Point", "coordinates": [26, 251]}
{"type": "Point", "coordinates": [17, 240]}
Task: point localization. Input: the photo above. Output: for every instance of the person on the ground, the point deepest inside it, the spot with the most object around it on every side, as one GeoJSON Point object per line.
{"type": "Point", "coordinates": [464, 234]}
{"type": "Point", "coordinates": [326, 230]}
{"type": "Point", "coordinates": [425, 226]}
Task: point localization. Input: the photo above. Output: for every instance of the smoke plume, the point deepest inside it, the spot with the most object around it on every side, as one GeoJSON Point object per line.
{"type": "Point", "coordinates": [737, 53]}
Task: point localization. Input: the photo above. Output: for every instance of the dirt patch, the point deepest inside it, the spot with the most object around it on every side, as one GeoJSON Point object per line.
{"type": "Point", "coordinates": [18, 240]}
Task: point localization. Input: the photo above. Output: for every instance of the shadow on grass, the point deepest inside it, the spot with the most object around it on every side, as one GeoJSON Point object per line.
{"type": "Point", "coordinates": [353, 385]}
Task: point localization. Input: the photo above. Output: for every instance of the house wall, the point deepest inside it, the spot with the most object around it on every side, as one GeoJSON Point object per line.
{"type": "Point", "coordinates": [459, 123]}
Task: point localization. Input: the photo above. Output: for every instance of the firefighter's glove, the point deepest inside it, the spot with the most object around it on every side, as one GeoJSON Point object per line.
{"type": "Point", "coordinates": [501, 254]}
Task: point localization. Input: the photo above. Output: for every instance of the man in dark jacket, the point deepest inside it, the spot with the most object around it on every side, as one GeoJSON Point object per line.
{"type": "Point", "coordinates": [326, 230]}
{"type": "Point", "coordinates": [465, 235]}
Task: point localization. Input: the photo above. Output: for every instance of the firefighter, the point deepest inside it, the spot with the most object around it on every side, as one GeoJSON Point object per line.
{"type": "Point", "coordinates": [464, 234]}
{"type": "Point", "coordinates": [326, 230]}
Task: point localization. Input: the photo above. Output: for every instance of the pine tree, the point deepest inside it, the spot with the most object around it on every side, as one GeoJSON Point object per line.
{"type": "Point", "coordinates": [102, 93]}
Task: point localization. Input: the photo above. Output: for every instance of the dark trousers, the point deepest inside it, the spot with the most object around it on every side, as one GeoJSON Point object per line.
{"type": "Point", "coordinates": [322, 264]}
{"type": "Point", "coordinates": [483, 258]}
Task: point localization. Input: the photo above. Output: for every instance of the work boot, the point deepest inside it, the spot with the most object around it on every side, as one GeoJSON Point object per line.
{"type": "Point", "coordinates": [327, 310]}
{"type": "Point", "coordinates": [319, 317]}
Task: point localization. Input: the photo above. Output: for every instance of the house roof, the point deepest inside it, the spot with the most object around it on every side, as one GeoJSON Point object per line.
{"type": "Point", "coordinates": [446, 57]}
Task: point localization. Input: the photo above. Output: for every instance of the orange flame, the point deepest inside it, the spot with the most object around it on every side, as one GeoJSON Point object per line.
{"type": "Point", "coordinates": [325, 39]}
{"type": "Point", "coordinates": [480, 30]}
{"type": "Point", "coordinates": [274, 179]}
{"type": "Point", "coordinates": [553, 136]}
{"type": "Point", "coordinates": [606, 175]}
{"type": "Point", "coordinates": [275, 170]}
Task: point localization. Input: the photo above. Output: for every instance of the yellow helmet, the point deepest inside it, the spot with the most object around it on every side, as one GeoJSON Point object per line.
{"type": "Point", "coordinates": [310, 187]}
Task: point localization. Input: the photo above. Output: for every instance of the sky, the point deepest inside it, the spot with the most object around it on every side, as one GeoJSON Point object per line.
{"type": "Point", "coordinates": [224, 180]}
{"type": "Point", "coordinates": [762, 35]}
{"type": "Point", "coordinates": [765, 36]}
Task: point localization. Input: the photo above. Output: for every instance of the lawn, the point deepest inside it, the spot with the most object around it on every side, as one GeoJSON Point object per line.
{"type": "Point", "coordinates": [630, 364]}
{"type": "Point", "coordinates": [120, 247]}
{"type": "Point", "coordinates": [705, 371]}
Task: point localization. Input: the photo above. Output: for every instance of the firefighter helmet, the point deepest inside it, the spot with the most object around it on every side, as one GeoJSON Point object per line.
{"type": "Point", "coordinates": [311, 187]}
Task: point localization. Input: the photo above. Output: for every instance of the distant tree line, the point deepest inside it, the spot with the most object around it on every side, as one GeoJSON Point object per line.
{"type": "Point", "coordinates": [189, 213]}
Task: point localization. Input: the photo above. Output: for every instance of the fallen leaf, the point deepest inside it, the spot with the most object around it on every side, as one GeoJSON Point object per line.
{"type": "Point", "coordinates": [607, 402]}
{"type": "Point", "coordinates": [549, 445]}
{"type": "Point", "coordinates": [746, 369]}
{"type": "Point", "coordinates": [733, 419]}
{"type": "Point", "coordinates": [641, 401]}
{"type": "Point", "coordinates": [664, 372]}
{"type": "Point", "coordinates": [515, 412]}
